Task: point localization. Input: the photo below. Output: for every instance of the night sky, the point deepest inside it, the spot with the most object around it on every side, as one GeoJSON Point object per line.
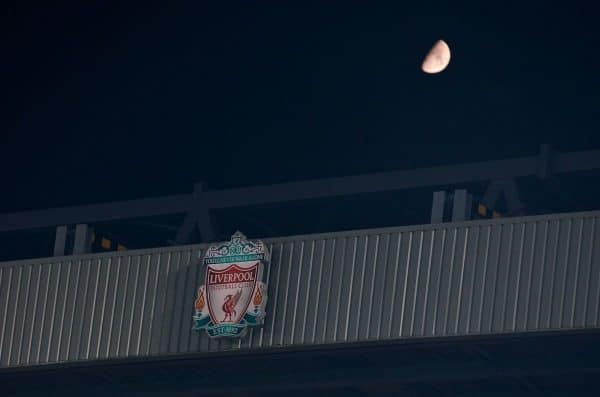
{"type": "Point", "coordinates": [106, 101]}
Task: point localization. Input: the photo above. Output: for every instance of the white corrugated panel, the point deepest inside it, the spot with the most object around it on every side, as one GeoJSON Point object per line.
{"type": "Point", "coordinates": [480, 277]}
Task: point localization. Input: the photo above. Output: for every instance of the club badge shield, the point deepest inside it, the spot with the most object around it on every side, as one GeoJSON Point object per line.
{"type": "Point", "coordinates": [234, 295]}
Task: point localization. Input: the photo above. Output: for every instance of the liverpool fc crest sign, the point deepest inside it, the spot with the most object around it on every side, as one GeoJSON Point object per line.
{"type": "Point", "coordinates": [234, 295]}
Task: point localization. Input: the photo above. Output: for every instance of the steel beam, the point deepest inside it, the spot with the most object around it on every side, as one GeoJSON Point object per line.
{"type": "Point", "coordinates": [197, 215]}
{"type": "Point", "coordinates": [83, 239]}
{"type": "Point", "coordinates": [373, 183]}
{"type": "Point", "coordinates": [60, 240]}
{"type": "Point", "coordinates": [315, 189]}
{"type": "Point", "coordinates": [95, 212]}
{"type": "Point", "coordinates": [437, 207]}
{"type": "Point", "coordinates": [461, 206]}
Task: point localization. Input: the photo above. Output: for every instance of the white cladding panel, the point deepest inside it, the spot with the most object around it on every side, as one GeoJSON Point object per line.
{"type": "Point", "coordinates": [480, 277]}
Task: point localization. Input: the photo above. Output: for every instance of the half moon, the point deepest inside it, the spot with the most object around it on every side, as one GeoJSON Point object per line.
{"type": "Point", "coordinates": [437, 59]}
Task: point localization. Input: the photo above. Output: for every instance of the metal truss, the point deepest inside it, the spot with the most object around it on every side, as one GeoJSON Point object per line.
{"type": "Point", "coordinates": [197, 206]}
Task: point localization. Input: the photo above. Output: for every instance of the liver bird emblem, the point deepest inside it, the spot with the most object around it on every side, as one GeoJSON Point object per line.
{"type": "Point", "coordinates": [229, 305]}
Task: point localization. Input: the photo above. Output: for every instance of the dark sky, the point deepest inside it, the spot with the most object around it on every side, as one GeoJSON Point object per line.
{"type": "Point", "coordinates": [105, 101]}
